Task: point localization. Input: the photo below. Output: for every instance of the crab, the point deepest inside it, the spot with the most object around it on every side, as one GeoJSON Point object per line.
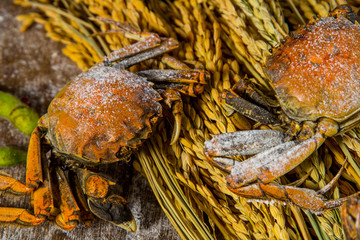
{"type": "Point", "coordinates": [350, 216]}
{"type": "Point", "coordinates": [99, 118]}
{"type": "Point", "coordinates": [315, 77]}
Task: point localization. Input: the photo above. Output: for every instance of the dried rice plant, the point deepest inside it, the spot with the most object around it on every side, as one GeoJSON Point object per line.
{"type": "Point", "coordinates": [230, 39]}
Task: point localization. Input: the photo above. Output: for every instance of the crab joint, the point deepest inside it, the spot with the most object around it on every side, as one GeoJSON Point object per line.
{"type": "Point", "coordinates": [93, 184]}
{"type": "Point", "coordinates": [328, 127]}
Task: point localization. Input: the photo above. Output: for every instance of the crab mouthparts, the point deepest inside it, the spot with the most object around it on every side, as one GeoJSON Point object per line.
{"type": "Point", "coordinates": [124, 155]}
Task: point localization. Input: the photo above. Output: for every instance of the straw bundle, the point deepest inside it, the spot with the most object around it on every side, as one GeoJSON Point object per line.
{"type": "Point", "coordinates": [230, 39]}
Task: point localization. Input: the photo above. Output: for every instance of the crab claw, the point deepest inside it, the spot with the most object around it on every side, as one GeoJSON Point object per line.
{"type": "Point", "coordinates": [113, 209]}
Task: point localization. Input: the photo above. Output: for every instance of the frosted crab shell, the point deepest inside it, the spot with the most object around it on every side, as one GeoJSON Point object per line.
{"type": "Point", "coordinates": [100, 111]}
{"type": "Point", "coordinates": [315, 72]}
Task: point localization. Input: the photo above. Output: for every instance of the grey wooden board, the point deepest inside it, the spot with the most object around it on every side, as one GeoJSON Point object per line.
{"type": "Point", "coordinates": [32, 66]}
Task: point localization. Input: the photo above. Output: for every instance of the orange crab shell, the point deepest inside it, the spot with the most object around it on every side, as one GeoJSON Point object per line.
{"type": "Point", "coordinates": [315, 72]}
{"type": "Point", "coordinates": [100, 111]}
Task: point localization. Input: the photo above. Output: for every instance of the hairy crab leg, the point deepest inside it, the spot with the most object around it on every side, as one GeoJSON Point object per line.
{"type": "Point", "coordinates": [175, 63]}
{"type": "Point", "coordinates": [273, 163]}
{"type": "Point", "coordinates": [34, 174]}
{"type": "Point", "coordinates": [43, 196]}
{"type": "Point", "coordinates": [85, 214]}
{"type": "Point", "coordinates": [37, 183]}
{"type": "Point", "coordinates": [252, 178]}
{"type": "Point", "coordinates": [173, 100]}
{"type": "Point", "coordinates": [244, 90]}
{"type": "Point", "coordinates": [243, 142]}
{"type": "Point", "coordinates": [170, 82]}
{"type": "Point", "coordinates": [221, 148]}
{"type": "Point", "coordinates": [165, 46]}
{"type": "Point", "coordinates": [149, 45]}
{"type": "Point", "coordinates": [302, 197]}
{"type": "Point", "coordinates": [190, 82]}
{"type": "Point", "coordinates": [333, 181]}
{"type": "Point", "coordinates": [232, 102]}
{"type": "Point", "coordinates": [19, 215]}
{"type": "Point", "coordinates": [103, 202]}
{"type": "Point", "coordinates": [350, 216]}
{"type": "Point", "coordinates": [13, 186]}
{"type": "Point", "coordinates": [70, 211]}
{"type": "Point", "coordinates": [143, 45]}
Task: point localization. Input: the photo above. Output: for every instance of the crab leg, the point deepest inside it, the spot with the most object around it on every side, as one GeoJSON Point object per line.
{"type": "Point", "coordinates": [222, 147]}
{"type": "Point", "coordinates": [19, 215]}
{"type": "Point", "coordinates": [175, 63]}
{"type": "Point", "coordinates": [36, 184]}
{"type": "Point", "coordinates": [350, 216]}
{"type": "Point", "coordinates": [34, 174]}
{"type": "Point", "coordinates": [143, 45]}
{"type": "Point", "coordinates": [243, 142]}
{"type": "Point", "coordinates": [172, 99]}
{"type": "Point", "coordinates": [252, 178]}
{"type": "Point", "coordinates": [273, 163]}
{"type": "Point", "coordinates": [304, 198]}
{"type": "Point", "coordinates": [70, 211]}
{"type": "Point", "coordinates": [86, 216]}
{"type": "Point", "coordinates": [165, 46]}
{"type": "Point", "coordinates": [10, 184]}
{"type": "Point", "coordinates": [169, 83]}
{"type": "Point", "coordinates": [149, 46]}
{"type": "Point", "coordinates": [244, 90]}
{"type": "Point", "coordinates": [190, 82]}
{"type": "Point", "coordinates": [232, 102]}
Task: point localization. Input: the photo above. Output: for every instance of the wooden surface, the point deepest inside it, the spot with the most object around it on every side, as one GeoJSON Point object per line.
{"type": "Point", "coordinates": [33, 67]}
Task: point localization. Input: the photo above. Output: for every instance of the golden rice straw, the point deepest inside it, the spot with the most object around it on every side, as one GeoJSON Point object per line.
{"type": "Point", "coordinates": [305, 9]}
{"type": "Point", "coordinates": [235, 34]}
{"type": "Point", "coordinates": [195, 149]}
{"type": "Point", "coordinates": [277, 17]}
{"type": "Point", "coordinates": [153, 161]}
{"type": "Point", "coordinates": [257, 226]}
{"type": "Point", "coordinates": [258, 12]}
{"type": "Point", "coordinates": [321, 8]}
